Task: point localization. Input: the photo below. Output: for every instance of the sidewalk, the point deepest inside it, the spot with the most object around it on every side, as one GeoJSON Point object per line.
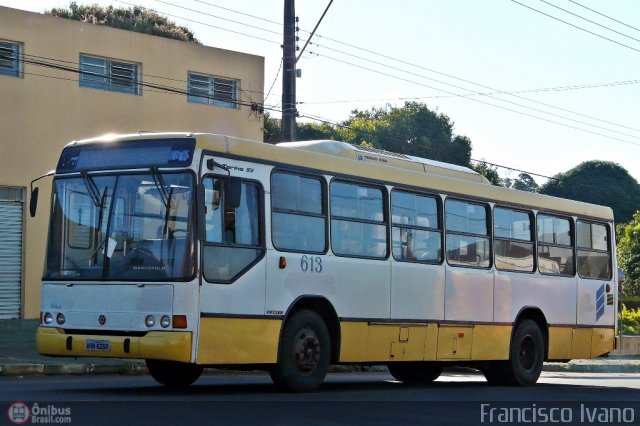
{"type": "Point", "coordinates": [19, 357]}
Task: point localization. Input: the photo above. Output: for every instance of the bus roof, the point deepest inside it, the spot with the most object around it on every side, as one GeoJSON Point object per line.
{"type": "Point", "coordinates": [343, 159]}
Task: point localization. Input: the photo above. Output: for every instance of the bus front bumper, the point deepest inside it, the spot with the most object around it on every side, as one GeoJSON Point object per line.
{"type": "Point", "coordinates": [164, 345]}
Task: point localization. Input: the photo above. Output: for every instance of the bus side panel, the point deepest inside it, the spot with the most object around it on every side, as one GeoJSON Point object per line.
{"type": "Point", "coordinates": [417, 291]}
{"type": "Point", "coordinates": [238, 340]}
{"type": "Point", "coordinates": [357, 288]}
{"type": "Point", "coordinates": [595, 304]}
{"type": "Point", "coordinates": [554, 296]}
{"type": "Point", "coordinates": [468, 294]}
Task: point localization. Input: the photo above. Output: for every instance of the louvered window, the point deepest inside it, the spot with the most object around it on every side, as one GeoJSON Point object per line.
{"type": "Point", "coordinates": [108, 74]}
{"type": "Point", "coordinates": [10, 59]}
{"type": "Point", "coordinates": [210, 90]}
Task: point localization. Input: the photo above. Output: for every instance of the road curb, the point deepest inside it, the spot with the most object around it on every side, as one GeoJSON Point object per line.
{"type": "Point", "coordinates": [137, 369]}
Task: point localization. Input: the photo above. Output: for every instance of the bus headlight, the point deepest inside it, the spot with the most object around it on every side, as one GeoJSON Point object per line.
{"type": "Point", "coordinates": [60, 319]}
{"type": "Point", "coordinates": [150, 321]}
{"type": "Point", "coordinates": [165, 321]}
{"type": "Point", "coordinates": [48, 318]}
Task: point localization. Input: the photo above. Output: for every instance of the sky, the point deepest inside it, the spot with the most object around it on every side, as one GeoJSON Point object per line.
{"type": "Point", "coordinates": [457, 56]}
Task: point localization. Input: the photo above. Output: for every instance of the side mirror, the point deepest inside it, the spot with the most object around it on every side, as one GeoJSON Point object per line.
{"type": "Point", "coordinates": [33, 202]}
{"type": "Point", "coordinates": [233, 193]}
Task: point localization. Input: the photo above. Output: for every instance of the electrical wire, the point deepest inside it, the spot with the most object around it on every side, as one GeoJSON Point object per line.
{"type": "Point", "coordinates": [360, 131]}
{"type": "Point", "coordinates": [507, 92]}
{"type": "Point", "coordinates": [606, 16]}
{"type": "Point", "coordinates": [457, 95]}
{"type": "Point", "coordinates": [153, 86]}
{"type": "Point", "coordinates": [589, 20]}
{"type": "Point", "coordinates": [575, 26]}
{"type": "Point", "coordinates": [274, 81]}
{"type": "Point", "coordinates": [486, 103]}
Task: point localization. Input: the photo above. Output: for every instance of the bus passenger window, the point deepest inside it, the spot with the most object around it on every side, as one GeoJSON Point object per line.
{"type": "Point", "coordinates": [233, 240]}
{"type": "Point", "coordinates": [555, 245]}
{"type": "Point", "coordinates": [358, 226]}
{"type": "Point", "coordinates": [416, 234]}
{"type": "Point", "coordinates": [468, 242]}
{"type": "Point", "coordinates": [513, 238]}
{"type": "Point", "coordinates": [594, 252]}
{"type": "Point", "coordinates": [298, 215]}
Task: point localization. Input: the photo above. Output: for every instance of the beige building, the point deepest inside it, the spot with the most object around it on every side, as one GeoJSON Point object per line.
{"type": "Point", "coordinates": [62, 80]}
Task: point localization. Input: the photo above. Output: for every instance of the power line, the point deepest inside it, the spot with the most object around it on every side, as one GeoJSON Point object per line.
{"type": "Point", "coordinates": [590, 21]}
{"type": "Point", "coordinates": [480, 93]}
{"type": "Point", "coordinates": [333, 123]}
{"type": "Point", "coordinates": [602, 14]}
{"type": "Point", "coordinates": [450, 76]}
{"type": "Point", "coordinates": [575, 26]}
{"type": "Point", "coordinates": [62, 61]}
{"type": "Point", "coordinates": [485, 103]}
{"type": "Point", "coordinates": [203, 23]}
{"type": "Point", "coordinates": [156, 87]}
{"type": "Point", "coordinates": [274, 81]}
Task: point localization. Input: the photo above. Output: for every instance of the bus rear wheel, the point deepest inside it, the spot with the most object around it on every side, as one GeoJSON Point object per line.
{"type": "Point", "coordinates": [173, 374]}
{"type": "Point", "coordinates": [303, 354]}
{"type": "Point", "coordinates": [415, 372]}
{"type": "Point", "coordinates": [526, 356]}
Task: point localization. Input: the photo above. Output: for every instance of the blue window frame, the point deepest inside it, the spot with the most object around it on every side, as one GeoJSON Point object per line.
{"type": "Point", "coordinates": [10, 59]}
{"type": "Point", "coordinates": [210, 90]}
{"type": "Point", "coordinates": [109, 74]}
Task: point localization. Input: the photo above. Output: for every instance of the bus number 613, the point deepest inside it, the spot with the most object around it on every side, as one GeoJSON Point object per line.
{"type": "Point", "coordinates": [311, 264]}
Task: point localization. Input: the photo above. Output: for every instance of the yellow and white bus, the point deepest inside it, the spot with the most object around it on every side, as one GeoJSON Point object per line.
{"type": "Point", "coordinates": [200, 250]}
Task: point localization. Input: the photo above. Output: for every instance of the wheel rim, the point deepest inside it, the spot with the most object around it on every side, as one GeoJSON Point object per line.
{"type": "Point", "coordinates": [306, 351]}
{"type": "Point", "coordinates": [528, 353]}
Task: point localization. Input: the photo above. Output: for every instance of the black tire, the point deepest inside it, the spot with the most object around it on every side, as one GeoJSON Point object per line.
{"type": "Point", "coordinates": [526, 356]}
{"type": "Point", "coordinates": [415, 372]}
{"type": "Point", "coordinates": [173, 374]}
{"type": "Point", "coordinates": [303, 354]}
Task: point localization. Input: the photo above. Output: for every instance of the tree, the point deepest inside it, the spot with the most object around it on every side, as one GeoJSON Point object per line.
{"type": "Point", "coordinates": [524, 182]}
{"type": "Point", "coordinates": [491, 173]}
{"type": "Point", "coordinates": [598, 182]}
{"type": "Point", "coordinates": [628, 237]}
{"type": "Point", "coordinates": [271, 128]}
{"type": "Point", "coordinates": [413, 129]}
{"type": "Point", "coordinates": [135, 19]}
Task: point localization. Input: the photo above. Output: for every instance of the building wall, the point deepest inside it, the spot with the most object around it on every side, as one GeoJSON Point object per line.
{"type": "Point", "coordinates": [46, 108]}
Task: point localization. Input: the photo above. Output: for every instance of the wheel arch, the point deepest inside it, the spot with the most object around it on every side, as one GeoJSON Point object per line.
{"type": "Point", "coordinates": [535, 314]}
{"type": "Point", "coordinates": [321, 306]}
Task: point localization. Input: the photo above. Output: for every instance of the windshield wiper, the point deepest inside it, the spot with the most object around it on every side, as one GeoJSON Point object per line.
{"type": "Point", "coordinates": [92, 188]}
{"type": "Point", "coordinates": [162, 189]}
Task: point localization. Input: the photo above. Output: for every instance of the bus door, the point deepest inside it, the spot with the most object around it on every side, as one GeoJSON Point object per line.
{"type": "Point", "coordinates": [233, 238]}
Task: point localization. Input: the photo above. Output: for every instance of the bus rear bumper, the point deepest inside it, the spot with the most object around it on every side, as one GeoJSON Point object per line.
{"type": "Point", "coordinates": [164, 345]}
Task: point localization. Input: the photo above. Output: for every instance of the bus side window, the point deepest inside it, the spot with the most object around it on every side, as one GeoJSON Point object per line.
{"type": "Point", "coordinates": [233, 239]}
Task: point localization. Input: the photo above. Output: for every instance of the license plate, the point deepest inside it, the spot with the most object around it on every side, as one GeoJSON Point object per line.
{"type": "Point", "coordinates": [98, 345]}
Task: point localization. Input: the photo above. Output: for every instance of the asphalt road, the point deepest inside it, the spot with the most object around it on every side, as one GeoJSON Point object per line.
{"type": "Point", "coordinates": [358, 398]}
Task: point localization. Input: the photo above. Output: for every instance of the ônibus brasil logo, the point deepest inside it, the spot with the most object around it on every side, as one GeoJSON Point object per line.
{"type": "Point", "coordinates": [19, 413]}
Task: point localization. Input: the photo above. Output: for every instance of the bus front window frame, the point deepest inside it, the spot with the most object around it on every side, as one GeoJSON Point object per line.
{"type": "Point", "coordinates": [119, 248]}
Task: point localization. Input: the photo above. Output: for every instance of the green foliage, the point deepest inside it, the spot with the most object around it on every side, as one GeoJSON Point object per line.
{"type": "Point", "coordinates": [413, 129]}
{"type": "Point", "coordinates": [524, 182]}
{"type": "Point", "coordinates": [629, 321]}
{"type": "Point", "coordinates": [491, 173]}
{"type": "Point", "coordinates": [315, 131]}
{"type": "Point", "coordinates": [271, 129]}
{"type": "Point", "coordinates": [132, 19]}
{"type": "Point", "coordinates": [598, 182]}
{"type": "Point", "coordinates": [628, 237]}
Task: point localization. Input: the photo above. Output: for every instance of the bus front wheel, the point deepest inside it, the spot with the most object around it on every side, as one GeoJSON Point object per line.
{"type": "Point", "coordinates": [415, 372]}
{"type": "Point", "coordinates": [303, 353]}
{"type": "Point", "coordinates": [173, 374]}
{"type": "Point", "coordinates": [526, 356]}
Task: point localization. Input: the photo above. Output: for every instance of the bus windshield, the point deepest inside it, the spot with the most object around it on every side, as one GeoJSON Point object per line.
{"type": "Point", "coordinates": [122, 227]}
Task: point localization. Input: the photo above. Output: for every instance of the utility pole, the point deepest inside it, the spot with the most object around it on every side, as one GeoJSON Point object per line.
{"type": "Point", "coordinates": [289, 110]}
